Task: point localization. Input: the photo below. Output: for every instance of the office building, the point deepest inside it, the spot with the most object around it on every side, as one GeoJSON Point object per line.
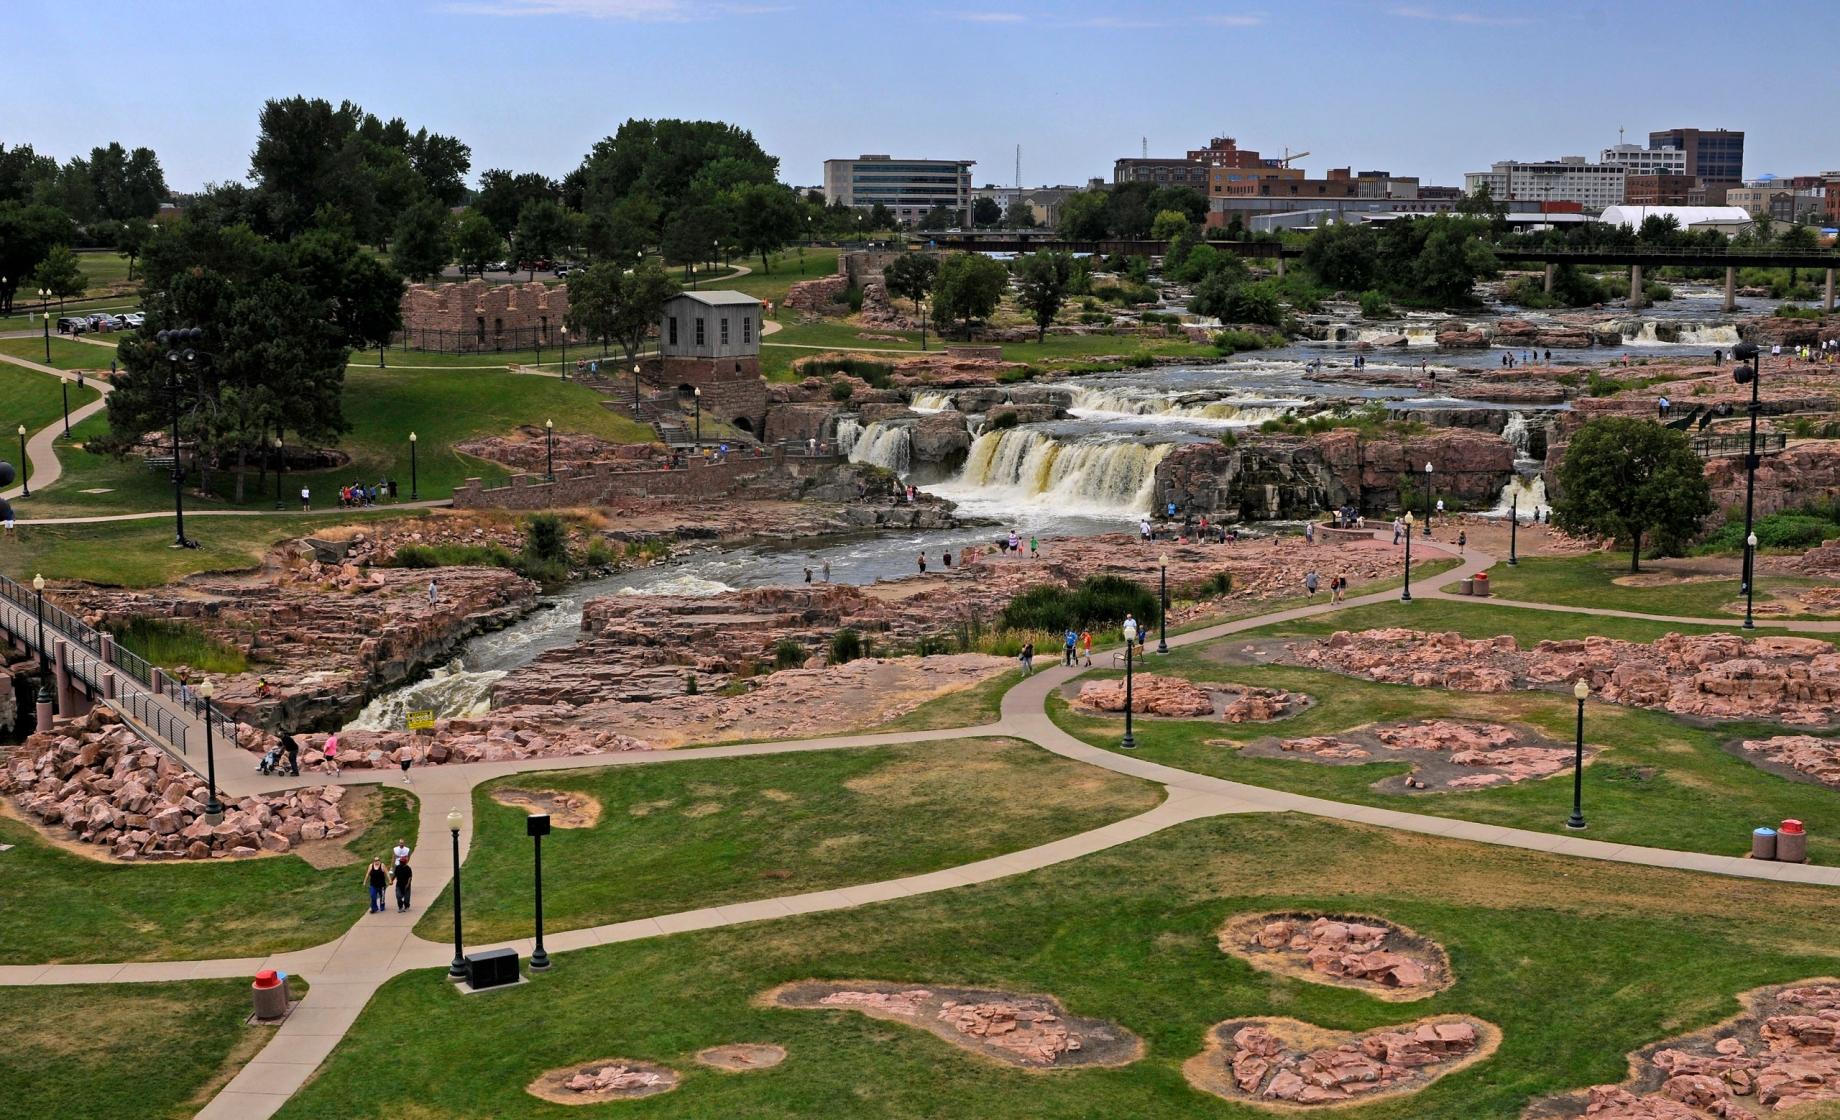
{"type": "Point", "coordinates": [1566, 179]}
{"type": "Point", "coordinates": [1663, 189]}
{"type": "Point", "coordinates": [1713, 155]}
{"type": "Point", "coordinates": [907, 187]}
{"type": "Point", "coordinates": [1161, 172]}
{"type": "Point", "coordinates": [1637, 160]}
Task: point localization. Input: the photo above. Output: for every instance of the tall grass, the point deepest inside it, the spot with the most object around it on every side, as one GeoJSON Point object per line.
{"type": "Point", "coordinates": [169, 643]}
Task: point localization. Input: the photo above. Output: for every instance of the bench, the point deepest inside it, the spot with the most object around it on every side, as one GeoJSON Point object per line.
{"type": "Point", "coordinates": [159, 462]}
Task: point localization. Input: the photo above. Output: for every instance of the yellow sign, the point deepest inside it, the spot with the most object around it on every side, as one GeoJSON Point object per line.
{"type": "Point", "coordinates": [422, 720]}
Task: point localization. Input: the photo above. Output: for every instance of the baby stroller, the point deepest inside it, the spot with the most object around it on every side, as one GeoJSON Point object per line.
{"type": "Point", "coordinates": [270, 761]}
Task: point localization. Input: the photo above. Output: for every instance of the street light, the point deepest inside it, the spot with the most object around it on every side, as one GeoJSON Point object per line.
{"type": "Point", "coordinates": [456, 970]}
{"type": "Point", "coordinates": [44, 300]}
{"type": "Point", "coordinates": [1162, 638]}
{"type": "Point", "coordinates": [1428, 488]}
{"type": "Point", "coordinates": [1753, 376]}
{"type": "Point", "coordinates": [565, 352]}
{"type": "Point", "coordinates": [1750, 553]}
{"type": "Point", "coordinates": [25, 484]}
{"type": "Point", "coordinates": [44, 671]}
{"type": "Point", "coordinates": [415, 491]}
{"type": "Point", "coordinates": [923, 307]}
{"type": "Point", "coordinates": [635, 390]}
{"type": "Point", "coordinates": [1406, 595]}
{"type": "Point", "coordinates": [181, 350]}
{"type": "Point", "coordinates": [1514, 525]}
{"type": "Point", "coordinates": [1580, 691]}
{"type": "Point", "coordinates": [280, 469]}
{"type": "Point", "coordinates": [549, 450]}
{"type": "Point", "coordinates": [65, 385]}
{"type": "Point", "coordinates": [537, 825]}
{"type": "Point", "coordinates": [213, 809]}
{"type": "Point", "coordinates": [697, 392]}
{"type": "Point", "coordinates": [1129, 742]}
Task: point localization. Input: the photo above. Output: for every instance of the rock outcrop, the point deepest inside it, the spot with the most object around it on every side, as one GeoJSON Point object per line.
{"type": "Point", "coordinates": [1367, 953]}
{"type": "Point", "coordinates": [1286, 1062]}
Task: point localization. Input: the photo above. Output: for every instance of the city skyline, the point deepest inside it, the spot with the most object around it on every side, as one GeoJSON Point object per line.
{"type": "Point", "coordinates": [561, 74]}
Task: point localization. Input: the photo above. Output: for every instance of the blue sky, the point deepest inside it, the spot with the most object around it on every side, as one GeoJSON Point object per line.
{"type": "Point", "coordinates": [1429, 88]}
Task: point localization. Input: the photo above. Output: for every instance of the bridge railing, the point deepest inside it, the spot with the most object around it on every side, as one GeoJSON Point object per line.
{"type": "Point", "coordinates": [1713, 447]}
{"type": "Point", "coordinates": [56, 617]}
{"type": "Point", "coordinates": [1672, 251]}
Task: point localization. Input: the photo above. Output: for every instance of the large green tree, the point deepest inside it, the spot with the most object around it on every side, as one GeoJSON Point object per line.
{"type": "Point", "coordinates": [476, 243]}
{"type": "Point", "coordinates": [673, 163]}
{"type": "Point", "coordinates": [502, 196]}
{"type": "Point", "coordinates": [542, 231]}
{"type": "Point", "coordinates": [765, 218]}
{"type": "Point", "coordinates": [1082, 216]}
{"type": "Point", "coordinates": [27, 234]}
{"type": "Point", "coordinates": [911, 276]}
{"type": "Point", "coordinates": [127, 185]}
{"type": "Point", "coordinates": [969, 287]}
{"type": "Point", "coordinates": [422, 243]}
{"type": "Point", "coordinates": [60, 273]}
{"type": "Point", "coordinates": [1627, 478]}
{"type": "Point", "coordinates": [1041, 285]}
{"type": "Point", "coordinates": [608, 303]}
{"type": "Point", "coordinates": [1344, 256]}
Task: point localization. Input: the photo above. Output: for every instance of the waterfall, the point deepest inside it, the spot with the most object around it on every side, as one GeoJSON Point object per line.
{"type": "Point", "coordinates": [931, 402]}
{"type": "Point", "coordinates": [1022, 466]}
{"type": "Point", "coordinates": [1519, 434]}
{"type": "Point", "coordinates": [1102, 403]}
{"type": "Point", "coordinates": [883, 444]}
{"type": "Point", "coordinates": [1686, 332]}
{"type": "Point", "coordinates": [1528, 491]}
{"type": "Point", "coordinates": [848, 430]}
{"type": "Point", "coordinates": [451, 692]}
{"type": "Point", "coordinates": [1414, 335]}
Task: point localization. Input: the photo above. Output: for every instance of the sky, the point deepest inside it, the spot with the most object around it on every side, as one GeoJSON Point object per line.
{"type": "Point", "coordinates": [1432, 88]}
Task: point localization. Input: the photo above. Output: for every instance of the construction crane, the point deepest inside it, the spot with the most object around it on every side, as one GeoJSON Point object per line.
{"type": "Point", "coordinates": [1288, 157]}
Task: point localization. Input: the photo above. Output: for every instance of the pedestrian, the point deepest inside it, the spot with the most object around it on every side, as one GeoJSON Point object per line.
{"type": "Point", "coordinates": [376, 878]}
{"type": "Point", "coordinates": [923, 563]}
{"type": "Point", "coordinates": [1440, 509]}
{"type": "Point", "coordinates": [1027, 657]}
{"type": "Point", "coordinates": [1336, 585]}
{"type": "Point", "coordinates": [400, 853]}
{"type": "Point", "coordinates": [306, 500]}
{"type": "Point", "coordinates": [1398, 529]}
{"type": "Point", "coordinates": [402, 873]}
{"type": "Point", "coordinates": [946, 559]}
{"type": "Point", "coordinates": [808, 573]}
{"type": "Point", "coordinates": [1143, 527]}
{"type": "Point", "coordinates": [331, 751]}
{"type": "Point", "coordinates": [1072, 642]}
{"type": "Point", "coordinates": [434, 592]}
{"type": "Point", "coordinates": [1462, 541]}
{"type": "Point", "coordinates": [827, 571]}
{"type": "Point", "coordinates": [1310, 582]}
{"type": "Point", "coordinates": [1015, 542]}
{"type": "Point", "coordinates": [1309, 532]}
{"type": "Point", "coordinates": [292, 746]}
{"type": "Point", "coordinates": [1034, 549]}
{"type": "Point", "coordinates": [1086, 646]}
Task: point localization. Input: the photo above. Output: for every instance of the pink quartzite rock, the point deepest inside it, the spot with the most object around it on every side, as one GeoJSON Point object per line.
{"type": "Point", "coordinates": [1150, 695]}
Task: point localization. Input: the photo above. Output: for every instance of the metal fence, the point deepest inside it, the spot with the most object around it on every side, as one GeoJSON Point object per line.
{"type": "Point", "coordinates": [506, 340]}
{"type": "Point", "coordinates": [1714, 447]}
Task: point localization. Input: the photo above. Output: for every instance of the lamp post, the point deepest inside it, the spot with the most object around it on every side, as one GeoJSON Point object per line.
{"type": "Point", "coordinates": [635, 390]}
{"type": "Point", "coordinates": [380, 364]}
{"type": "Point", "coordinates": [565, 353]}
{"type": "Point", "coordinates": [1752, 375]}
{"type": "Point", "coordinates": [1129, 742]}
{"type": "Point", "coordinates": [1428, 488]}
{"type": "Point", "coordinates": [25, 484]}
{"type": "Point", "coordinates": [44, 671]}
{"type": "Point", "coordinates": [44, 299]}
{"type": "Point", "coordinates": [65, 385]}
{"type": "Point", "coordinates": [1750, 553]}
{"type": "Point", "coordinates": [456, 970]}
{"type": "Point", "coordinates": [180, 351]}
{"type": "Point", "coordinates": [1580, 691]}
{"type": "Point", "coordinates": [1406, 595]}
{"type": "Point", "coordinates": [213, 809]}
{"type": "Point", "coordinates": [537, 825]}
{"type": "Point", "coordinates": [549, 450]}
{"type": "Point", "coordinates": [923, 324]}
{"type": "Point", "coordinates": [697, 392]}
{"type": "Point", "coordinates": [1514, 526]}
{"type": "Point", "coordinates": [1162, 636]}
{"type": "Point", "coordinates": [415, 490]}
{"type": "Point", "coordinates": [280, 470]}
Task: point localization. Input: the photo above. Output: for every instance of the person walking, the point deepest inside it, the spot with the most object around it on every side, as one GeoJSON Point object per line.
{"type": "Point", "coordinates": [1086, 646]}
{"type": "Point", "coordinates": [1337, 587]}
{"type": "Point", "coordinates": [1072, 640]}
{"type": "Point", "coordinates": [1027, 657]}
{"type": "Point", "coordinates": [1034, 549]}
{"type": "Point", "coordinates": [808, 573]}
{"type": "Point", "coordinates": [434, 592]}
{"type": "Point", "coordinates": [922, 563]}
{"type": "Point", "coordinates": [292, 747]}
{"type": "Point", "coordinates": [827, 571]}
{"type": "Point", "coordinates": [401, 874]}
{"type": "Point", "coordinates": [1399, 528]}
{"type": "Point", "coordinates": [1309, 532]}
{"type": "Point", "coordinates": [306, 500]}
{"type": "Point", "coordinates": [400, 853]}
{"type": "Point", "coordinates": [1462, 540]}
{"type": "Point", "coordinates": [376, 878]}
{"type": "Point", "coordinates": [331, 751]}
{"type": "Point", "coordinates": [1310, 582]}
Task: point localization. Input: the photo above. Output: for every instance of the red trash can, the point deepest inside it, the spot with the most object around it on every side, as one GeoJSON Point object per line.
{"type": "Point", "coordinates": [1792, 842]}
{"type": "Point", "coordinates": [1480, 584]}
{"type": "Point", "coordinates": [269, 993]}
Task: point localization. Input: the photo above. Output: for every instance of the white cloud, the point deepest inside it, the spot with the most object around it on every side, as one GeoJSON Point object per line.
{"type": "Point", "coordinates": [1252, 20]}
{"type": "Point", "coordinates": [1465, 18]}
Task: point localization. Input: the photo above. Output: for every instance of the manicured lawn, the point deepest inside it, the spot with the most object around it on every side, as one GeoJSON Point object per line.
{"type": "Point", "coordinates": [1590, 581]}
{"type": "Point", "coordinates": [1660, 782]}
{"type": "Point", "coordinates": [1248, 608]}
{"type": "Point", "coordinates": [779, 350]}
{"type": "Point", "coordinates": [1577, 962]}
{"type": "Point", "coordinates": [56, 907]}
{"type": "Point", "coordinates": [684, 835]}
{"type": "Point", "coordinates": [1478, 618]}
{"type": "Point", "coordinates": [32, 399]}
{"type": "Point", "coordinates": [443, 407]}
{"type": "Point", "coordinates": [65, 354]}
{"type": "Point", "coordinates": [982, 703]}
{"type": "Point", "coordinates": [102, 1052]}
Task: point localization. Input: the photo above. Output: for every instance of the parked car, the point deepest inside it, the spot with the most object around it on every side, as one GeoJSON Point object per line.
{"type": "Point", "coordinates": [499, 266]}
{"type": "Point", "coordinates": [133, 320]}
{"type": "Point", "coordinates": [72, 324]}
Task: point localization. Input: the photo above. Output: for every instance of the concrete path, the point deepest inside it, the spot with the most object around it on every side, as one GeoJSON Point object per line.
{"type": "Point", "coordinates": [345, 973]}
{"type": "Point", "coordinates": [41, 446]}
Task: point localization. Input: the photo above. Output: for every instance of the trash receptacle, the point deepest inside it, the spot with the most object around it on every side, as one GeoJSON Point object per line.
{"type": "Point", "coordinates": [1480, 585]}
{"type": "Point", "coordinates": [1763, 843]}
{"type": "Point", "coordinates": [1468, 587]}
{"type": "Point", "coordinates": [270, 995]}
{"type": "Point", "coordinates": [1791, 842]}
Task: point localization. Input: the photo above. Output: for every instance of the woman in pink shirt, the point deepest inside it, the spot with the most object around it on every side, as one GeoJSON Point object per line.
{"type": "Point", "coordinates": [331, 751]}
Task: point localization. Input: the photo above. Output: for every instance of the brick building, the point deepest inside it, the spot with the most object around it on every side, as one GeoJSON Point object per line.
{"type": "Point", "coordinates": [476, 316]}
{"type": "Point", "coordinates": [709, 347]}
{"type": "Point", "coordinates": [1659, 189]}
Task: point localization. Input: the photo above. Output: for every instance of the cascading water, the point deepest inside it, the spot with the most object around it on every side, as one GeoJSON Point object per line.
{"type": "Point", "coordinates": [1029, 467]}
{"type": "Point", "coordinates": [849, 430]}
{"type": "Point", "coordinates": [1101, 403]}
{"type": "Point", "coordinates": [1683, 332]}
{"type": "Point", "coordinates": [1525, 492]}
{"type": "Point", "coordinates": [931, 402]}
{"type": "Point", "coordinates": [882, 444]}
{"type": "Point", "coordinates": [1519, 435]}
{"type": "Point", "coordinates": [452, 692]}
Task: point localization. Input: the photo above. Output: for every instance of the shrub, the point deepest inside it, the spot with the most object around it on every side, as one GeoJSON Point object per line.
{"type": "Point", "coordinates": [878, 374]}
{"type": "Point", "coordinates": [788, 654]}
{"type": "Point", "coordinates": [689, 684]}
{"type": "Point", "coordinates": [854, 297]}
{"type": "Point", "coordinates": [841, 390]}
{"type": "Point", "coordinates": [169, 643]}
{"type": "Point", "coordinates": [1374, 305]}
{"type": "Point", "coordinates": [546, 572]}
{"type": "Point", "coordinates": [1213, 587]}
{"type": "Point", "coordinates": [846, 646]}
{"type": "Point", "coordinates": [546, 538]}
{"type": "Point", "coordinates": [599, 553]}
{"type": "Point", "coordinates": [1235, 341]}
{"type": "Point", "coordinates": [451, 556]}
{"type": "Point", "coordinates": [1097, 602]}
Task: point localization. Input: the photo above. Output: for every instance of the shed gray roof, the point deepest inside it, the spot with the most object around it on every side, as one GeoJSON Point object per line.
{"type": "Point", "coordinates": [719, 298]}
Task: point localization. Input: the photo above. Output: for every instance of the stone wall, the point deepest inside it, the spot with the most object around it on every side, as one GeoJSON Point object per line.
{"type": "Point", "coordinates": [1804, 472]}
{"type": "Point", "coordinates": [733, 390]}
{"type": "Point", "coordinates": [476, 315]}
{"type": "Point", "coordinates": [608, 483]}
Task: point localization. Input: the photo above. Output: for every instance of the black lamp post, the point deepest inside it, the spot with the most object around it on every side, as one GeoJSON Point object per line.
{"type": "Point", "coordinates": [1406, 595]}
{"type": "Point", "coordinates": [180, 351]}
{"type": "Point", "coordinates": [44, 662]}
{"type": "Point", "coordinates": [635, 390]}
{"type": "Point", "coordinates": [923, 326]}
{"type": "Point", "coordinates": [456, 970]}
{"type": "Point", "coordinates": [549, 450]}
{"type": "Point", "coordinates": [1514, 526]}
{"type": "Point", "coordinates": [380, 364]}
{"type": "Point", "coordinates": [44, 297]}
{"type": "Point", "coordinates": [537, 825]}
{"type": "Point", "coordinates": [697, 392]}
{"type": "Point", "coordinates": [25, 484]}
{"type": "Point", "coordinates": [1429, 485]}
{"type": "Point", "coordinates": [1129, 742]}
{"type": "Point", "coordinates": [1162, 637]}
{"type": "Point", "coordinates": [565, 353]}
{"type": "Point", "coordinates": [65, 385]}
{"type": "Point", "coordinates": [1580, 691]}
{"type": "Point", "coordinates": [415, 491]}
{"type": "Point", "coordinates": [280, 469]}
{"type": "Point", "coordinates": [213, 809]}
{"type": "Point", "coordinates": [1753, 376]}
{"type": "Point", "coordinates": [1750, 588]}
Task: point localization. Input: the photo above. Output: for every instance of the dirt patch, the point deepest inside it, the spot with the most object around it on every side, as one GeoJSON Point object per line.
{"type": "Point", "coordinates": [1446, 755]}
{"type": "Point", "coordinates": [1027, 1031]}
{"type": "Point", "coordinates": [1288, 1064]}
{"type": "Point", "coordinates": [1777, 1054]}
{"type": "Point", "coordinates": [741, 1057]}
{"type": "Point", "coordinates": [566, 809]}
{"type": "Point", "coordinates": [610, 1079]}
{"type": "Point", "coordinates": [1345, 950]}
{"type": "Point", "coordinates": [361, 807]}
{"type": "Point", "coordinates": [1801, 758]}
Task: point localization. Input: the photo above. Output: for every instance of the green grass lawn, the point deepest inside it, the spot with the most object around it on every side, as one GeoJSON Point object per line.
{"type": "Point", "coordinates": [101, 1052]}
{"type": "Point", "coordinates": [684, 835]}
{"type": "Point", "coordinates": [32, 399]}
{"type": "Point", "coordinates": [65, 354]}
{"type": "Point", "coordinates": [443, 407]}
{"type": "Point", "coordinates": [794, 341]}
{"type": "Point", "coordinates": [1478, 618]}
{"type": "Point", "coordinates": [56, 907]}
{"type": "Point", "coordinates": [979, 704]}
{"type": "Point", "coordinates": [1577, 963]}
{"type": "Point", "coordinates": [1590, 581]}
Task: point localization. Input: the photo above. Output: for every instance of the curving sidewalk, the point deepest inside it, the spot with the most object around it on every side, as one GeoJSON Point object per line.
{"type": "Point", "coordinates": [41, 447]}
{"type": "Point", "coordinates": [347, 971]}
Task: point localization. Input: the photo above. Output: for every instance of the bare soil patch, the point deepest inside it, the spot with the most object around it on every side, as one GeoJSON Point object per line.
{"type": "Point", "coordinates": [1777, 1054]}
{"type": "Point", "coordinates": [1800, 758]}
{"type": "Point", "coordinates": [1446, 755]}
{"type": "Point", "coordinates": [610, 1079]}
{"type": "Point", "coordinates": [566, 809]}
{"type": "Point", "coordinates": [1158, 697]}
{"type": "Point", "coordinates": [742, 1057]}
{"type": "Point", "coordinates": [1286, 1064]}
{"type": "Point", "coordinates": [1026, 1031]}
{"type": "Point", "coordinates": [1344, 950]}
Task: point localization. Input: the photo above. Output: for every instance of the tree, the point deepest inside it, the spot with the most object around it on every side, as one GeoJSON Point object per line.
{"type": "Point", "coordinates": [422, 243]}
{"type": "Point", "coordinates": [503, 195]}
{"type": "Point", "coordinates": [1042, 287]}
{"type": "Point", "coordinates": [674, 163]}
{"type": "Point", "coordinates": [881, 218]}
{"type": "Point", "coordinates": [126, 185]}
{"type": "Point", "coordinates": [911, 276]}
{"type": "Point", "coordinates": [1083, 216]}
{"type": "Point", "coordinates": [542, 231]}
{"type": "Point", "coordinates": [130, 238]}
{"type": "Point", "coordinates": [476, 243]}
{"type": "Point", "coordinates": [1187, 201]}
{"type": "Point", "coordinates": [27, 233]}
{"type": "Point", "coordinates": [764, 217]}
{"type": "Point", "coordinates": [1168, 225]}
{"type": "Point", "coordinates": [1658, 229]}
{"type": "Point", "coordinates": [985, 212]}
{"type": "Point", "coordinates": [617, 306]}
{"type": "Point", "coordinates": [1343, 256]}
{"type": "Point", "coordinates": [60, 273]}
{"type": "Point", "coordinates": [940, 216]}
{"type": "Point", "coordinates": [594, 301]}
{"type": "Point", "coordinates": [970, 286]}
{"type": "Point", "coordinates": [1625, 478]}
{"type": "Point", "coordinates": [692, 235]}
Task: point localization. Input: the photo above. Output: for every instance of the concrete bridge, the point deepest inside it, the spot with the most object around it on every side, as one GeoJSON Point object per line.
{"type": "Point", "coordinates": [1638, 257]}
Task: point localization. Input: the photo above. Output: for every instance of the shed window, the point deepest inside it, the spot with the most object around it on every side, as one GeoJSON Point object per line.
{"type": "Point", "coordinates": [747, 329]}
{"type": "Point", "coordinates": [724, 321]}
{"type": "Point", "coordinates": [672, 323]}
{"type": "Point", "coordinates": [700, 336]}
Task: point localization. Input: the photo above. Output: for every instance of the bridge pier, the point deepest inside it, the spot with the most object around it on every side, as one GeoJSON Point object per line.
{"type": "Point", "coordinates": [1827, 300]}
{"type": "Point", "coordinates": [108, 684]}
{"type": "Point", "coordinates": [1635, 287]}
{"type": "Point", "coordinates": [1731, 288]}
{"type": "Point", "coordinates": [44, 714]}
{"type": "Point", "coordinates": [1550, 269]}
{"type": "Point", "coordinates": [60, 676]}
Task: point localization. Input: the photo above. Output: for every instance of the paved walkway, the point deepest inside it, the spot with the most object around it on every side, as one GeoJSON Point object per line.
{"type": "Point", "coordinates": [347, 971]}
{"type": "Point", "coordinates": [41, 447]}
